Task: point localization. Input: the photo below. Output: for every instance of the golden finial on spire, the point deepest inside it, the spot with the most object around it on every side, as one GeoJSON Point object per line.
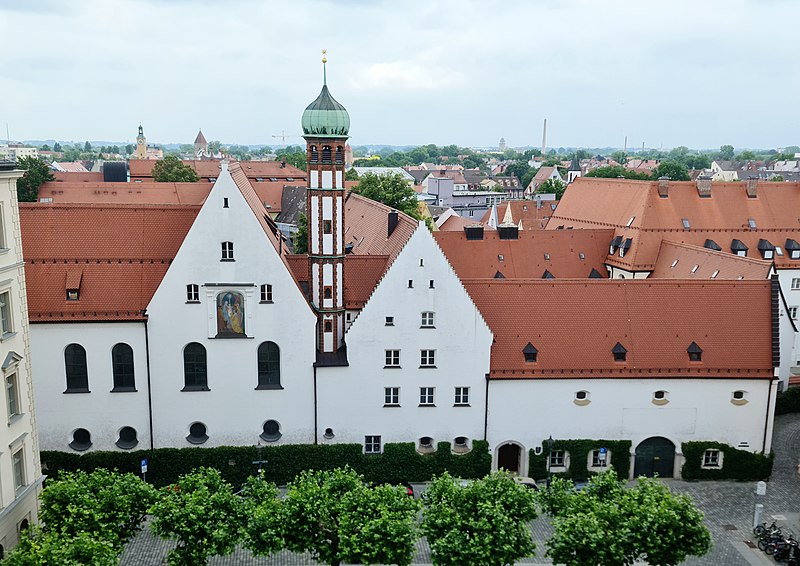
{"type": "Point", "coordinates": [324, 56]}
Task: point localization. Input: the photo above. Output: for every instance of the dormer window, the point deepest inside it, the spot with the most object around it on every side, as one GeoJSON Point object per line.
{"type": "Point", "coordinates": [766, 248]}
{"type": "Point", "coordinates": [530, 353]}
{"type": "Point", "coordinates": [547, 275]}
{"type": "Point", "coordinates": [695, 352]}
{"type": "Point", "coordinates": [619, 352]}
{"type": "Point", "coordinates": [738, 247]}
{"type": "Point", "coordinates": [712, 245]}
{"type": "Point", "coordinates": [793, 248]}
{"type": "Point", "coordinates": [615, 243]}
{"type": "Point", "coordinates": [625, 246]}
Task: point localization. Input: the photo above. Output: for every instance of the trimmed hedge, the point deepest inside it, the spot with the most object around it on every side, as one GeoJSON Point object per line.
{"type": "Point", "coordinates": [736, 464]}
{"type": "Point", "coordinates": [579, 455]}
{"type": "Point", "coordinates": [788, 401]}
{"type": "Point", "coordinates": [399, 462]}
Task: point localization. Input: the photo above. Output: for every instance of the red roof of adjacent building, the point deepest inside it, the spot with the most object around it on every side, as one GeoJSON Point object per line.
{"type": "Point", "coordinates": [564, 254]}
{"type": "Point", "coordinates": [684, 261]}
{"type": "Point", "coordinates": [574, 325]}
{"type": "Point", "coordinates": [126, 193]}
{"type": "Point", "coordinates": [635, 210]}
{"type": "Point", "coordinates": [81, 176]}
{"type": "Point", "coordinates": [361, 275]}
{"type": "Point", "coordinates": [367, 227]}
{"type": "Point", "coordinates": [119, 254]}
{"type": "Point", "coordinates": [533, 217]}
{"type": "Point", "coordinates": [209, 168]}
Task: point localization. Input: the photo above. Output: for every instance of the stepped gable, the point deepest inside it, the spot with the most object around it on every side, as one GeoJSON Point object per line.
{"type": "Point", "coordinates": [574, 325]}
{"type": "Point", "coordinates": [685, 261]}
{"type": "Point", "coordinates": [528, 256]}
{"type": "Point", "coordinates": [117, 254]}
{"type": "Point", "coordinates": [635, 210]}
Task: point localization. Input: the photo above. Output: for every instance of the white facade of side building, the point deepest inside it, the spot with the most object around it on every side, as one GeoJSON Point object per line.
{"type": "Point", "coordinates": [20, 472]}
{"type": "Point", "coordinates": [353, 400]}
{"type": "Point", "coordinates": [527, 412]}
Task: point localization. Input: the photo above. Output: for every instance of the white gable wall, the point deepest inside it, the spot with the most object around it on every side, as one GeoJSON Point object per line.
{"type": "Point", "coordinates": [233, 411]}
{"type": "Point", "coordinates": [352, 398]}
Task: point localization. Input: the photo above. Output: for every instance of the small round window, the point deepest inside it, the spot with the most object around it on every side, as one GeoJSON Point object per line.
{"type": "Point", "coordinates": [81, 440]}
{"type": "Point", "coordinates": [660, 395]}
{"type": "Point", "coordinates": [738, 395]}
{"type": "Point", "coordinates": [127, 438]}
{"type": "Point", "coordinates": [426, 442]}
{"type": "Point", "coordinates": [581, 395]}
{"type": "Point", "coordinates": [198, 433]}
{"type": "Point", "coordinates": [271, 431]}
{"type": "Point", "coordinates": [328, 433]}
{"type": "Point", "coordinates": [461, 441]}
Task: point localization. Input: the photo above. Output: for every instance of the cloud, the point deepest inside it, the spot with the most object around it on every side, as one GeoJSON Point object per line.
{"type": "Point", "coordinates": [405, 75]}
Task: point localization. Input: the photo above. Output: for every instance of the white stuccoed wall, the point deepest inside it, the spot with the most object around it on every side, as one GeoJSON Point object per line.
{"type": "Point", "coordinates": [352, 398]}
{"type": "Point", "coordinates": [233, 411]}
{"type": "Point", "coordinates": [529, 411]}
{"type": "Point", "coordinates": [100, 412]}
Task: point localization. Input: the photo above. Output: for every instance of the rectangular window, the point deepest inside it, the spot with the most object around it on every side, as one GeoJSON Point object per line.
{"type": "Point", "coordinates": [227, 251]}
{"type": "Point", "coordinates": [391, 396]}
{"type": "Point", "coordinates": [462, 396]}
{"type": "Point", "coordinates": [427, 358]}
{"type": "Point", "coordinates": [795, 283]}
{"type": "Point", "coordinates": [326, 227]}
{"type": "Point", "coordinates": [392, 358]}
{"type": "Point", "coordinates": [372, 444]}
{"type": "Point", "coordinates": [426, 395]}
{"type": "Point", "coordinates": [5, 312]}
{"type": "Point", "coordinates": [3, 229]}
{"type": "Point", "coordinates": [427, 320]}
{"type": "Point", "coordinates": [389, 321]}
{"type": "Point", "coordinates": [12, 395]}
{"type": "Point", "coordinates": [327, 326]}
{"type": "Point", "coordinates": [192, 293]}
{"type": "Point", "coordinates": [266, 293]}
{"type": "Point", "coordinates": [793, 313]}
{"type": "Point", "coordinates": [599, 459]}
{"type": "Point", "coordinates": [711, 459]}
{"type": "Point", "coordinates": [18, 461]}
{"type": "Point", "coordinates": [557, 459]}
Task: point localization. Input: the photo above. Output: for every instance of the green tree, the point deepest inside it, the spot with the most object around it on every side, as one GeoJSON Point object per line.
{"type": "Point", "coordinates": [336, 517]}
{"type": "Point", "coordinates": [45, 147]}
{"type": "Point", "coordinates": [484, 522]}
{"type": "Point", "coordinates": [725, 152]}
{"type": "Point", "coordinates": [552, 186]}
{"type": "Point", "coordinates": [36, 174]}
{"type": "Point", "coordinates": [263, 532]}
{"type": "Point", "coordinates": [518, 169]}
{"type": "Point", "coordinates": [214, 146]}
{"type": "Point", "coordinates": [672, 169]}
{"type": "Point", "coordinates": [608, 524]}
{"type": "Point", "coordinates": [293, 158]}
{"type": "Point", "coordinates": [614, 171]}
{"type": "Point", "coordinates": [747, 155]}
{"type": "Point", "coordinates": [102, 504]}
{"type": "Point", "coordinates": [202, 514]}
{"type": "Point", "coordinates": [37, 547]}
{"type": "Point", "coordinates": [172, 170]}
{"type": "Point", "coordinates": [620, 157]}
{"type": "Point", "coordinates": [129, 149]}
{"type": "Point", "coordinates": [351, 175]}
{"type": "Point", "coordinates": [392, 190]}
{"type": "Point", "coordinates": [528, 177]}
{"type": "Point", "coordinates": [698, 161]}
{"type": "Point", "coordinates": [87, 147]}
{"type": "Point", "coordinates": [300, 240]}
{"type": "Point", "coordinates": [777, 178]}
{"type": "Point", "coordinates": [57, 147]}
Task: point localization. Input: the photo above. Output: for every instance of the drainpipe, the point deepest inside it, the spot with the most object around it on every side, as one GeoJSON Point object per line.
{"type": "Point", "coordinates": [486, 410]}
{"type": "Point", "coordinates": [149, 392]}
{"type": "Point", "coordinates": [315, 404]}
{"type": "Point", "coordinates": [766, 417]}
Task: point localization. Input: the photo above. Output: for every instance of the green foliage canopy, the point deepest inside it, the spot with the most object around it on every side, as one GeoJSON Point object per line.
{"type": "Point", "coordinates": [38, 547]}
{"type": "Point", "coordinates": [202, 514]}
{"type": "Point", "coordinates": [36, 174]}
{"type": "Point", "coordinates": [608, 524]}
{"type": "Point", "coordinates": [484, 522]}
{"type": "Point", "coordinates": [392, 190]}
{"type": "Point", "coordinates": [674, 170]}
{"type": "Point", "coordinates": [614, 171]}
{"type": "Point", "coordinates": [552, 186]}
{"type": "Point", "coordinates": [263, 532]}
{"type": "Point", "coordinates": [172, 170]}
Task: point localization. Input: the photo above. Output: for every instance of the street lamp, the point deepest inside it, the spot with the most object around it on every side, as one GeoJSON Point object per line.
{"type": "Point", "coordinates": [549, 457]}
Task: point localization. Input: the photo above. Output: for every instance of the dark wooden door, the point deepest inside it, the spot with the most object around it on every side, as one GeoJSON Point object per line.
{"type": "Point", "coordinates": [655, 455]}
{"type": "Point", "coordinates": [508, 457]}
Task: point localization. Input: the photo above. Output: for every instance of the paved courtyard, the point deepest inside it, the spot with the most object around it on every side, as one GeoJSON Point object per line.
{"type": "Point", "coordinates": [728, 508]}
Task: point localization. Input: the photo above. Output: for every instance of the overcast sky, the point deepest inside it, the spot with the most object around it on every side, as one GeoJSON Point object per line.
{"type": "Point", "coordinates": [666, 73]}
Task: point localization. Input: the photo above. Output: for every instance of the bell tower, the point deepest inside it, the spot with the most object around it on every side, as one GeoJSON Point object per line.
{"type": "Point", "coordinates": [326, 125]}
{"type": "Point", "coordinates": [141, 145]}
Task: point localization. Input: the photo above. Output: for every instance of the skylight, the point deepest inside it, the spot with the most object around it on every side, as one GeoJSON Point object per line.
{"type": "Point", "coordinates": [778, 250]}
{"type": "Point", "coordinates": [547, 257]}
{"type": "Point", "coordinates": [674, 263]}
{"type": "Point", "coordinates": [582, 255]}
{"type": "Point", "coordinates": [714, 275]}
{"type": "Point", "coordinates": [695, 268]}
{"type": "Point", "coordinates": [630, 221]}
{"type": "Point", "coordinates": [685, 222]}
{"type": "Point", "coordinates": [751, 223]}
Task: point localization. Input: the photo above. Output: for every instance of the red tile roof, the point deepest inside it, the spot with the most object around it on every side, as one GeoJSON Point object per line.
{"type": "Point", "coordinates": [533, 217]}
{"type": "Point", "coordinates": [75, 177]}
{"type": "Point", "coordinates": [366, 227]}
{"type": "Point", "coordinates": [456, 223]}
{"type": "Point", "coordinates": [575, 324]}
{"type": "Point", "coordinates": [525, 257]}
{"type": "Point", "coordinates": [126, 193]}
{"type": "Point", "coordinates": [143, 169]}
{"type": "Point", "coordinates": [684, 261]}
{"type": "Point", "coordinates": [361, 275]}
{"type": "Point", "coordinates": [614, 203]}
{"type": "Point", "coordinates": [119, 253]}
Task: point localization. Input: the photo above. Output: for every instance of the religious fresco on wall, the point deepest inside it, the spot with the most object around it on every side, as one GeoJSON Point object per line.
{"type": "Point", "coordinates": [230, 314]}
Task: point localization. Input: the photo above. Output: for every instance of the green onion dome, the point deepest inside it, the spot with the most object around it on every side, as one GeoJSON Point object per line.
{"type": "Point", "coordinates": [325, 117]}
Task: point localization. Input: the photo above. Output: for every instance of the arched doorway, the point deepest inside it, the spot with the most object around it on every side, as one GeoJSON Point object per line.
{"type": "Point", "coordinates": [655, 455]}
{"type": "Point", "coordinates": [508, 457]}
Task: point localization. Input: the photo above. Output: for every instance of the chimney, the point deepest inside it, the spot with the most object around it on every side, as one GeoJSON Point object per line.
{"type": "Point", "coordinates": [392, 222]}
{"type": "Point", "coordinates": [704, 186]}
{"type": "Point", "coordinates": [663, 187]}
{"type": "Point", "coordinates": [752, 187]}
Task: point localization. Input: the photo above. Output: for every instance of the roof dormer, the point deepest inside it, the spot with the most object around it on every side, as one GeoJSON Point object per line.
{"type": "Point", "coordinates": [793, 248]}
{"type": "Point", "coordinates": [530, 352]}
{"type": "Point", "coordinates": [619, 352]}
{"type": "Point", "coordinates": [766, 248]}
{"type": "Point", "coordinates": [712, 245]}
{"type": "Point", "coordinates": [738, 247]}
{"type": "Point", "coordinates": [695, 352]}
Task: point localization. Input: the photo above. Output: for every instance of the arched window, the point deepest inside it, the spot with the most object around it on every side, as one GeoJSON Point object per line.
{"type": "Point", "coordinates": [75, 365]}
{"type": "Point", "coordinates": [122, 367]}
{"type": "Point", "coordinates": [127, 438]}
{"type": "Point", "coordinates": [326, 154]}
{"type": "Point", "coordinates": [314, 154]}
{"type": "Point", "coordinates": [339, 154]}
{"type": "Point", "coordinates": [194, 368]}
{"type": "Point", "coordinates": [269, 366]}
